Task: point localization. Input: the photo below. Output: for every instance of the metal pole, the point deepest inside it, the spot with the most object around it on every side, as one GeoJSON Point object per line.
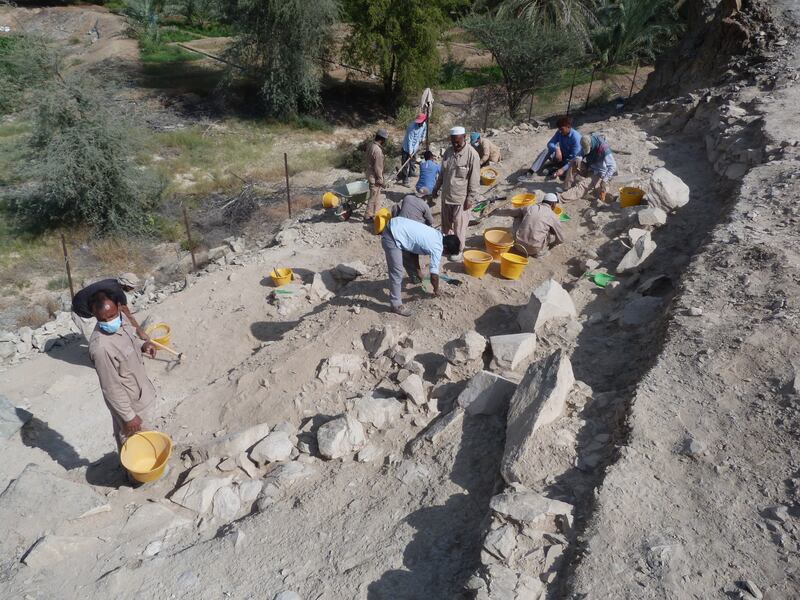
{"type": "Point", "coordinates": [530, 108]}
{"type": "Point", "coordinates": [486, 115]}
{"type": "Point", "coordinates": [189, 236]}
{"type": "Point", "coordinates": [633, 81]}
{"type": "Point", "coordinates": [427, 127]}
{"type": "Point", "coordinates": [66, 262]}
{"type": "Point", "coordinates": [589, 93]}
{"type": "Point", "coordinates": [571, 88]}
{"type": "Point", "coordinates": [288, 194]}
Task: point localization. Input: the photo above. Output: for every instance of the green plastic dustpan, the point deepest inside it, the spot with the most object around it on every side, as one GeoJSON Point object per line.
{"type": "Point", "coordinates": [563, 217]}
{"type": "Point", "coordinates": [600, 279]}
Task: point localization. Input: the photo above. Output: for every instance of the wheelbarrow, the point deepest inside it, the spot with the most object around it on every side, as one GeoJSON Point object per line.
{"type": "Point", "coordinates": [351, 196]}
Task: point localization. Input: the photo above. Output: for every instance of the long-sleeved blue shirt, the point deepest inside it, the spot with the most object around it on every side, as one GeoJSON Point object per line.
{"type": "Point", "coordinates": [600, 160]}
{"type": "Point", "coordinates": [418, 238]}
{"type": "Point", "coordinates": [570, 145]}
{"type": "Point", "coordinates": [428, 172]}
{"type": "Point", "coordinates": [414, 136]}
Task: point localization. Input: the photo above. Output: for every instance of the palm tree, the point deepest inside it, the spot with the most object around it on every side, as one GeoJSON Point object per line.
{"type": "Point", "coordinates": [575, 15]}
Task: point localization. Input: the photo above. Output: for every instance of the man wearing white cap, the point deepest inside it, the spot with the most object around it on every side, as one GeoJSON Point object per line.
{"type": "Point", "coordinates": [537, 227]}
{"type": "Point", "coordinates": [458, 182]}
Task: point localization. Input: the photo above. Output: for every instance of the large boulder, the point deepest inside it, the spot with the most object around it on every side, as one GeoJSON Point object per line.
{"type": "Point", "coordinates": [540, 398]}
{"type": "Point", "coordinates": [667, 191]}
{"type": "Point", "coordinates": [643, 247]}
{"type": "Point", "coordinates": [652, 217]}
{"type": "Point", "coordinates": [466, 349]}
{"type": "Point", "coordinates": [275, 447]}
{"type": "Point", "coordinates": [414, 388]}
{"type": "Point", "coordinates": [549, 301]}
{"type": "Point", "coordinates": [486, 394]}
{"type": "Point", "coordinates": [378, 412]}
{"type": "Point", "coordinates": [340, 437]}
{"type": "Point", "coordinates": [510, 351]}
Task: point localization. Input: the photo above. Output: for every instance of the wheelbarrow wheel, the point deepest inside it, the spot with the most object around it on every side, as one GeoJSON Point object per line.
{"type": "Point", "coordinates": [345, 211]}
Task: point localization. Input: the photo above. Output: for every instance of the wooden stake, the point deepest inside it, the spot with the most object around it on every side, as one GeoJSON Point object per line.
{"type": "Point", "coordinates": [589, 93]}
{"type": "Point", "coordinates": [633, 81]}
{"type": "Point", "coordinates": [288, 194]}
{"type": "Point", "coordinates": [189, 236]}
{"type": "Point", "coordinates": [66, 263]}
{"type": "Point", "coordinates": [486, 115]}
{"type": "Point", "coordinates": [530, 108]}
{"type": "Point", "coordinates": [571, 88]}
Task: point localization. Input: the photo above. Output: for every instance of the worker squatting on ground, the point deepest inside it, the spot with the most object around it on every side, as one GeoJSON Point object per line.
{"type": "Point", "coordinates": [458, 182]}
{"type": "Point", "coordinates": [487, 151]}
{"type": "Point", "coordinates": [537, 227]}
{"type": "Point", "coordinates": [116, 288]}
{"type": "Point", "coordinates": [373, 162]}
{"type": "Point", "coordinates": [415, 134]}
{"type": "Point", "coordinates": [562, 149]}
{"type": "Point", "coordinates": [592, 171]}
{"type": "Point", "coordinates": [428, 172]}
{"type": "Point", "coordinates": [403, 241]}
{"type": "Point", "coordinates": [117, 353]}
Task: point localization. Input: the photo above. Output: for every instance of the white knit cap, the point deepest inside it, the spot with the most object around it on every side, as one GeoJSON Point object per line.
{"type": "Point", "coordinates": [458, 131]}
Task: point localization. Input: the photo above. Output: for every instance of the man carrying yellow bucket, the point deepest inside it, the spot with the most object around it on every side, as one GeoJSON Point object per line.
{"type": "Point", "coordinates": [117, 353]}
{"type": "Point", "coordinates": [537, 227]}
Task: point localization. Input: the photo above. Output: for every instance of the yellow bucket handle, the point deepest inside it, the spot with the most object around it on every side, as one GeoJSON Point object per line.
{"type": "Point", "coordinates": [521, 247]}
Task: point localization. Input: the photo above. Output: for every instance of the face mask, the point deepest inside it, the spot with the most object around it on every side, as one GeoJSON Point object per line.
{"type": "Point", "coordinates": [110, 326]}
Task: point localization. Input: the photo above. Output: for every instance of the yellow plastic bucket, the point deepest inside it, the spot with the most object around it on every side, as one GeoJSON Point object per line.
{"type": "Point", "coordinates": [159, 333]}
{"type": "Point", "coordinates": [520, 200]}
{"type": "Point", "coordinates": [489, 176]}
{"type": "Point", "coordinates": [630, 196]}
{"type": "Point", "coordinates": [557, 209]}
{"type": "Point", "coordinates": [280, 276]}
{"type": "Point", "coordinates": [512, 265]}
{"type": "Point", "coordinates": [145, 454]}
{"type": "Point", "coordinates": [497, 241]}
{"type": "Point", "coordinates": [330, 200]}
{"type": "Point", "coordinates": [476, 262]}
{"type": "Point", "coordinates": [379, 222]}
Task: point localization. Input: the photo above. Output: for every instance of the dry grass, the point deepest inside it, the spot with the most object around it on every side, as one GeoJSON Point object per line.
{"type": "Point", "coordinates": [117, 255]}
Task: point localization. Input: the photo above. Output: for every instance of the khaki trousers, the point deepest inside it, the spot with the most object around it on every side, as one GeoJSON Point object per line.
{"type": "Point", "coordinates": [455, 221]}
{"type": "Point", "coordinates": [374, 202]}
{"type": "Point", "coordinates": [580, 181]}
{"type": "Point", "coordinates": [148, 415]}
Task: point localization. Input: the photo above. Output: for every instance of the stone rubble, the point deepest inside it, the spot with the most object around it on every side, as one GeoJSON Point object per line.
{"type": "Point", "coordinates": [549, 301]}
{"type": "Point", "coordinates": [509, 352]}
{"type": "Point", "coordinates": [643, 247]}
{"type": "Point", "coordinates": [466, 349]}
{"type": "Point", "coordinates": [340, 437]}
{"type": "Point", "coordinates": [486, 394]}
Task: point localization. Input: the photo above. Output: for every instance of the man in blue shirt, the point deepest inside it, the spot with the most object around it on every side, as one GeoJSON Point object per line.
{"type": "Point", "coordinates": [428, 172]}
{"type": "Point", "coordinates": [592, 171]}
{"type": "Point", "coordinates": [402, 239]}
{"type": "Point", "coordinates": [415, 133]}
{"type": "Point", "coordinates": [562, 148]}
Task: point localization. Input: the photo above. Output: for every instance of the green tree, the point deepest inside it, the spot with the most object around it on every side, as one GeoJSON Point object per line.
{"type": "Point", "coordinates": [633, 30]}
{"type": "Point", "coordinates": [279, 43]}
{"type": "Point", "coordinates": [26, 61]}
{"type": "Point", "coordinates": [577, 15]}
{"type": "Point", "coordinates": [527, 52]}
{"type": "Point", "coordinates": [397, 38]}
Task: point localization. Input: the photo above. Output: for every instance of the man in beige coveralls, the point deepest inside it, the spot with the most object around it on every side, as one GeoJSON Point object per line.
{"type": "Point", "coordinates": [458, 181]}
{"type": "Point", "coordinates": [374, 168]}
{"type": "Point", "coordinates": [117, 353]}
{"type": "Point", "coordinates": [537, 227]}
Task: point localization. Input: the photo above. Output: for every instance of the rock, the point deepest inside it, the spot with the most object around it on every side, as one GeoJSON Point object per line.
{"type": "Point", "coordinates": [466, 349]}
{"type": "Point", "coordinates": [753, 589]}
{"type": "Point", "coordinates": [404, 356]}
{"type": "Point", "coordinates": [235, 443]}
{"type": "Point", "coordinates": [414, 389]}
{"type": "Point", "coordinates": [445, 371]}
{"type": "Point", "coordinates": [235, 244]}
{"type": "Point", "coordinates": [437, 429]}
{"type": "Point", "coordinates": [510, 351]}
{"type": "Point", "coordinates": [288, 596]}
{"type": "Point", "coordinates": [529, 508]}
{"type": "Point", "coordinates": [228, 465]}
{"type": "Point", "coordinates": [152, 548]}
{"type": "Point", "coordinates": [501, 542]}
{"type": "Point", "coordinates": [25, 335]}
{"type": "Point", "coordinates": [153, 521]}
{"type": "Point", "coordinates": [486, 394]}
{"type": "Point", "coordinates": [350, 271]}
{"type": "Point", "coordinates": [275, 447]}
{"type": "Point", "coordinates": [248, 491]}
{"type": "Point", "coordinates": [246, 465]}
{"type": "Point", "coordinates": [695, 311]}
{"type": "Point", "coordinates": [777, 513]}
{"type": "Point", "coordinates": [540, 398]}
{"type": "Point", "coordinates": [640, 311]}
{"type": "Point", "coordinates": [652, 217]}
{"type": "Point", "coordinates": [342, 436]}
{"type": "Point", "coordinates": [339, 368]}
{"type": "Point", "coordinates": [52, 549]}
{"type": "Point", "coordinates": [667, 191]}
{"type": "Point", "coordinates": [226, 504]}
{"type": "Point", "coordinates": [11, 418]}
{"type": "Point", "coordinates": [549, 301]}
{"type": "Point", "coordinates": [198, 494]}
{"type": "Point", "coordinates": [7, 349]}
{"type": "Point", "coordinates": [635, 233]}
{"type": "Point", "coordinates": [378, 412]}
{"type": "Point", "coordinates": [369, 453]}
{"type": "Point", "coordinates": [693, 447]}
{"type": "Point", "coordinates": [378, 340]}
{"type": "Point", "coordinates": [642, 248]}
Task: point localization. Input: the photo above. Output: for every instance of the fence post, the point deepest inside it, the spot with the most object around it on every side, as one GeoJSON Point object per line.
{"type": "Point", "coordinates": [633, 81]}
{"type": "Point", "coordinates": [486, 115]}
{"type": "Point", "coordinates": [571, 88]}
{"type": "Point", "coordinates": [286, 171]}
{"type": "Point", "coordinates": [66, 262]}
{"type": "Point", "coordinates": [189, 236]}
{"type": "Point", "coordinates": [589, 93]}
{"type": "Point", "coordinates": [530, 108]}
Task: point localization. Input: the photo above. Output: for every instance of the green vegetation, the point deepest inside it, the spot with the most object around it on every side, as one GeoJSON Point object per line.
{"type": "Point", "coordinates": [25, 62]}
{"type": "Point", "coordinates": [278, 44]}
{"type": "Point", "coordinates": [575, 16]}
{"type": "Point", "coordinates": [159, 52]}
{"type": "Point", "coordinates": [454, 76]}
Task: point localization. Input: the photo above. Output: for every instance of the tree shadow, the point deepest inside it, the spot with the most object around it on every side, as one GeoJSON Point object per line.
{"type": "Point", "coordinates": [38, 434]}
{"type": "Point", "coordinates": [445, 550]}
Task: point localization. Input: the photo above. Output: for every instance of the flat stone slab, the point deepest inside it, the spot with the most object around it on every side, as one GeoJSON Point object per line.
{"type": "Point", "coordinates": [486, 394]}
{"type": "Point", "coordinates": [11, 418]}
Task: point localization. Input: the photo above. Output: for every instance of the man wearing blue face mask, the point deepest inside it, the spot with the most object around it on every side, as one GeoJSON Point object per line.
{"type": "Point", "coordinates": [117, 353]}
